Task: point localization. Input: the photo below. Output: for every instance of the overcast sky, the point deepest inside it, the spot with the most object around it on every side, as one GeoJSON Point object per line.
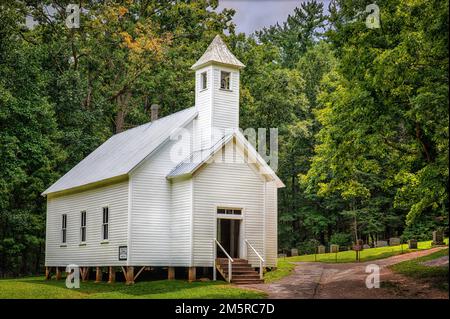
{"type": "Point", "coordinates": [253, 15]}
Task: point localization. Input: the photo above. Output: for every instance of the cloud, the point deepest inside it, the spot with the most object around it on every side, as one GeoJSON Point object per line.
{"type": "Point", "coordinates": [253, 15]}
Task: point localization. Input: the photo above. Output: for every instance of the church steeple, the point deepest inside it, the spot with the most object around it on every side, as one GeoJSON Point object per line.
{"type": "Point", "coordinates": [217, 52]}
{"type": "Point", "coordinates": [216, 92]}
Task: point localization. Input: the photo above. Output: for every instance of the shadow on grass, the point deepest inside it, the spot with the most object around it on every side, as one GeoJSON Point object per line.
{"type": "Point", "coordinates": [436, 276]}
{"type": "Point", "coordinates": [179, 289]}
{"type": "Point", "coordinates": [139, 288]}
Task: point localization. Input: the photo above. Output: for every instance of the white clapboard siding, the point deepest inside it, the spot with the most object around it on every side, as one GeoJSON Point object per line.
{"type": "Point", "coordinates": [225, 109]}
{"type": "Point", "coordinates": [226, 184]}
{"type": "Point", "coordinates": [218, 109]}
{"type": "Point", "coordinates": [181, 225]}
{"type": "Point", "coordinates": [151, 194]}
{"type": "Point", "coordinates": [203, 102]}
{"type": "Point", "coordinates": [271, 222]}
{"type": "Point", "coordinates": [92, 201]}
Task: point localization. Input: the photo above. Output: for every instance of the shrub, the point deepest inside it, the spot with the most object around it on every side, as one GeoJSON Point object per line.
{"type": "Point", "coordinates": [341, 239]}
{"type": "Point", "coordinates": [308, 247]}
{"type": "Point", "coordinates": [422, 229]}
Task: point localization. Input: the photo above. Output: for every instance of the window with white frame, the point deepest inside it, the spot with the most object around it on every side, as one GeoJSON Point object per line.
{"type": "Point", "coordinates": [204, 80]}
{"type": "Point", "coordinates": [105, 223]}
{"type": "Point", "coordinates": [63, 228]}
{"type": "Point", "coordinates": [83, 227]}
{"type": "Point", "coordinates": [225, 80]}
{"type": "Point", "coordinates": [229, 211]}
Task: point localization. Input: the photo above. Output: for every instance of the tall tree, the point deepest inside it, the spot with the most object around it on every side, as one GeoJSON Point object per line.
{"type": "Point", "coordinates": [383, 145]}
{"type": "Point", "coordinates": [65, 91]}
{"type": "Point", "coordinates": [29, 153]}
{"type": "Point", "coordinates": [300, 31]}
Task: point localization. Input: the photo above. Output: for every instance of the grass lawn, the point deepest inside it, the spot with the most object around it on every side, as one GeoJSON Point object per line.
{"type": "Point", "coordinates": [285, 265]}
{"type": "Point", "coordinates": [435, 275]}
{"type": "Point", "coordinates": [37, 287]}
{"type": "Point", "coordinates": [284, 268]}
{"type": "Point", "coordinates": [366, 254]}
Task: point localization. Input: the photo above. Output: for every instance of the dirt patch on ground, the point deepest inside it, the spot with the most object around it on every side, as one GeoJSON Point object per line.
{"type": "Point", "coordinates": [348, 281]}
{"type": "Point", "coordinates": [438, 262]}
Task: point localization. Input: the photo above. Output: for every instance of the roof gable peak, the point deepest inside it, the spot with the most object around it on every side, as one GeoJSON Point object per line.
{"type": "Point", "coordinates": [217, 52]}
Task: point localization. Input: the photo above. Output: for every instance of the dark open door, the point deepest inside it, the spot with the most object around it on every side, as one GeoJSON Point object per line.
{"type": "Point", "coordinates": [228, 237]}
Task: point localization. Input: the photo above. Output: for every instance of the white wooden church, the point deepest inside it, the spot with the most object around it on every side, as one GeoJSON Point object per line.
{"type": "Point", "coordinates": [128, 206]}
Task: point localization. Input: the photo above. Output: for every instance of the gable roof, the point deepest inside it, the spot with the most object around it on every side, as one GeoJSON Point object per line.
{"type": "Point", "coordinates": [198, 158]}
{"type": "Point", "coordinates": [218, 52]}
{"type": "Point", "coordinates": [122, 152]}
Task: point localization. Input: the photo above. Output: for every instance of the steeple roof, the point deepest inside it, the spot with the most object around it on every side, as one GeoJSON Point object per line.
{"type": "Point", "coordinates": [218, 52]}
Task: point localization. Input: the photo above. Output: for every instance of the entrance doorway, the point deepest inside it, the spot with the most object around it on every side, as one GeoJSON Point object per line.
{"type": "Point", "coordinates": [228, 234]}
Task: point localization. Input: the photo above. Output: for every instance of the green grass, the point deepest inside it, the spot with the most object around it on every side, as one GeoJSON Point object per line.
{"type": "Point", "coordinates": [37, 287]}
{"type": "Point", "coordinates": [285, 265]}
{"type": "Point", "coordinates": [365, 255]}
{"type": "Point", "coordinates": [284, 268]}
{"type": "Point", "coordinates": [435, 275]}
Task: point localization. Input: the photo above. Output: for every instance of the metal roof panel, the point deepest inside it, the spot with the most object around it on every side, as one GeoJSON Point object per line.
{"type": "Point", "coordinates": [122, 152]}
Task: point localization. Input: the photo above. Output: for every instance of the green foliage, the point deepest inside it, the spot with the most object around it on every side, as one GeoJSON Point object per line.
{"type": "Point", "coordinates": [341, 239]}
{"type": "Point", "coordinates": [362, 114]}
{"type": "Point", "coordinates": [381, 147]}
{"type": "Point", "coordinates": [29, 152]}
{"type": "Point", "coordinates": [65, 91]}
{"type": "Point", "coordinates": [308, 247]}
{"type": "Point", "coordinates": [300, 31]}
{"type": "Point", "coordinates": [423, 227]}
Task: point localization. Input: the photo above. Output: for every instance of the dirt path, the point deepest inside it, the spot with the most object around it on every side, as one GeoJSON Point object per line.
{"type": "Point", "coordinates": [314, 280]}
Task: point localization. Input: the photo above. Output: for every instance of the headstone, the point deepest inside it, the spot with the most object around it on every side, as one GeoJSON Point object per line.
{"type": "Point", "coordinates": [438, 237]}
{"type": "Point", "coordinates": [334, 248]}
{"type": "Point", "coordinates": [412, 244]}
{"type": "Point", "coordinates": [365, 246]}
{"type": "Point", "coordinates": [294, 252]}
{"type": "Point", "coordinates": [381, 243]}
{"type": "Point", "coordinates": [394, 241]}
{"type": "Point", "coordinates": [321, 249]}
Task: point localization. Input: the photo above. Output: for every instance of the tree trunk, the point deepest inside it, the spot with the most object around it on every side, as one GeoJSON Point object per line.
{"type": "Point", "coordinates": [122, 101]}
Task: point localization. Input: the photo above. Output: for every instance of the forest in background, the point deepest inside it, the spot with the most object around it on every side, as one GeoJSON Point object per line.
{"type": "Point", "coordinates": [362, 113]}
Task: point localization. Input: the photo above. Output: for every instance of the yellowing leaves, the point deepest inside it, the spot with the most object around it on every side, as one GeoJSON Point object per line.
{"type": "Point", "coordinates": [122, 11]}
{"type": "Point", "coordinates": [144, 42]}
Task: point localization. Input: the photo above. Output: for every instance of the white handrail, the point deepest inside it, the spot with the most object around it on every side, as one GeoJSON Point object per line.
{"type": "Point", "coordinates": [223, 249]}
{"type": "Point", "coordinates": [261, 260]}
{"type": "Point", "coordinates": [259, 256]}
{"type": "Point", "coordinates": [230, 260]}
